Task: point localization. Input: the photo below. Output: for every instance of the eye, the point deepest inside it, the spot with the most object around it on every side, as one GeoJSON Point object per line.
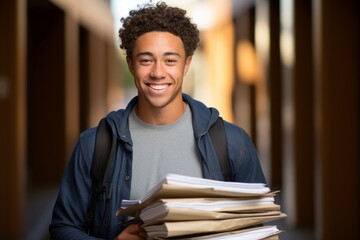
{"type": "Point", "coordinates": [171, 61]}
{"type": "Point", "coordinates": [145, 61]}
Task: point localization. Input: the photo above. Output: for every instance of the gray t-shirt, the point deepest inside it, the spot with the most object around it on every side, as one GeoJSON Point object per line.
{"type": "Point", "coordinates": [159, 150]}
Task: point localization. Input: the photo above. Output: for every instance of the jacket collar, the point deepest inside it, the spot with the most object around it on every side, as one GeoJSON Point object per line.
{"type": "Point", "coordinates": [203, 118]}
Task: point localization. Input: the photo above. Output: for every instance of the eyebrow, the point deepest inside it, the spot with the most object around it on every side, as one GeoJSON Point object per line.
{"type": "Point", "coordinates": [151, 54]}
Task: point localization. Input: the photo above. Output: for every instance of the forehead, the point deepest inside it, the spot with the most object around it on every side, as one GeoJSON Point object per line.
{"type": "Point", "coordinates": [159, 43]}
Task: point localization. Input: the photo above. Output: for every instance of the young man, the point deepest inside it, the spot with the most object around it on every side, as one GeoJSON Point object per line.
{"type": "Point", "coordinates": [161, 131]}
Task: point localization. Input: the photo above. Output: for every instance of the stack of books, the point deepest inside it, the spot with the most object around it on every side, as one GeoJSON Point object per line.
{"type": "Point", "coordinates": [182, 207]}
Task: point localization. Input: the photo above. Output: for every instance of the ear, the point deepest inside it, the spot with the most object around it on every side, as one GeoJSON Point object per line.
{"type": "Point", "coordinates": [187, 64]}
{"type": "Point", "coordinates": [130, 65]}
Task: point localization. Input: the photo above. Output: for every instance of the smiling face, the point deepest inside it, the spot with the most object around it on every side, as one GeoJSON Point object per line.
{"type": "Point", "coordinates": [158, 64]}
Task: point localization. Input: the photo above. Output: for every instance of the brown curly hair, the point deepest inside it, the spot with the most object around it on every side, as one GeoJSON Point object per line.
{"type": "Point", "coordinates": [158, 17]}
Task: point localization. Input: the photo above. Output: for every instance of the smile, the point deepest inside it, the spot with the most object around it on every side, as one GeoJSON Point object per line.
{"type": "Point", "coordinates": [158, 86]}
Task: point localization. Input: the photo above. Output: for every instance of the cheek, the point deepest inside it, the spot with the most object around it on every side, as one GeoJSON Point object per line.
{"type": "Point", "coordinates": [177, 72]}
{"type": "Point", "coordinates": [140, 73]}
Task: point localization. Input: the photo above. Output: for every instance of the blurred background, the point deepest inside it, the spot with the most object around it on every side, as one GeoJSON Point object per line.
{"type": "Point", "coordinates": [287, 71]}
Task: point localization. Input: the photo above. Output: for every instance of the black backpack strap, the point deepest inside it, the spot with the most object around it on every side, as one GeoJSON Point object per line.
{"type": "Point", "coordinates": [218, 138]}
{"type": "Point", "coordinates": [103, 155]}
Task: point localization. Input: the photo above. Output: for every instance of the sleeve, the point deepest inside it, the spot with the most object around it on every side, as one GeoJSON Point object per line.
{"type": "Point", "coordinates": [244, 160]}
{"type": "Point", "coordinates": [69, 214]}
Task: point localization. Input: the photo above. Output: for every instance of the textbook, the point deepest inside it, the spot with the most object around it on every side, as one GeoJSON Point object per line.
{"type": "Point", "coordinates": [182, 207]}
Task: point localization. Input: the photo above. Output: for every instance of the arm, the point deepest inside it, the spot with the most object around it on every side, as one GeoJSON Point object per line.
{"type": "Point", "coordinates": [244, 160]}
{"type": "Point", "coordinates": [70, 210]}
{"type": "Point", "coordinates": [68, 221]}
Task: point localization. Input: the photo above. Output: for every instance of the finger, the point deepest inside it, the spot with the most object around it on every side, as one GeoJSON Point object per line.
{"type": "Point", "coordinates": [133, 229]}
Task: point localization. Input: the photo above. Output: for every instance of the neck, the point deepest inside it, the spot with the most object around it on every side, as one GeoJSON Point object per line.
{"type": "Point", "coordinates": [160, 116]}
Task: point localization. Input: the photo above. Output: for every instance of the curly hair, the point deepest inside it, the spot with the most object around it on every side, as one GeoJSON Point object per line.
{"type": "Point", "coordinates": [158, 17]}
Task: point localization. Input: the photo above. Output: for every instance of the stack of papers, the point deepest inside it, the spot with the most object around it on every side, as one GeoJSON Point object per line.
{"type": "Point", "coordinates": [266, 232]}
{"type": "Point", "coordinates": [182, 207]}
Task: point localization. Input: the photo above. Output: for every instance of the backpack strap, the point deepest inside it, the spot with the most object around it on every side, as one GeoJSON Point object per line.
{"type": "Point", "coordinates": [103, 154]}
{"type": "Point", "coordinates": [218, 138]}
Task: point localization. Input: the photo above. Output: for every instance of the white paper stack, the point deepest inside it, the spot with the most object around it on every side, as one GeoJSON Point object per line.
{"type": "Point", "coordinates": [182, 207]}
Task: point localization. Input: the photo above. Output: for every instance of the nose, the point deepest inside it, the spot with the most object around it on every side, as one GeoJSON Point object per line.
{"type": "Point", "coordinates": [157, 71]}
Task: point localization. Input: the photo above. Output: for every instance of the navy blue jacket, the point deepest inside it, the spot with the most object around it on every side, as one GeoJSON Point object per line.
{"type": "Point", "coordinates": [71, 206]}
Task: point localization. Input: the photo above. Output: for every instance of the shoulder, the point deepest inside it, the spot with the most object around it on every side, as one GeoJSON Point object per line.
{"type": "Point", "coordinates": [238, 140]}
{"type": "Point", "coordinates": [235, 131]}
{"type": "Point", "coordinates": [86, 143]}
{"type": "Point", "coordinates": [88, 135]}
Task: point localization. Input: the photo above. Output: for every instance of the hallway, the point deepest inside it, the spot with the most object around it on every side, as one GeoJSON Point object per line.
{"type": "Point", "coordinates": [286, 71]}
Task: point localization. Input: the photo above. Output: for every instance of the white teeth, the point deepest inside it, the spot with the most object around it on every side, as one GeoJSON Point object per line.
{"type": "Point", "coordinates": [158, 87]}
